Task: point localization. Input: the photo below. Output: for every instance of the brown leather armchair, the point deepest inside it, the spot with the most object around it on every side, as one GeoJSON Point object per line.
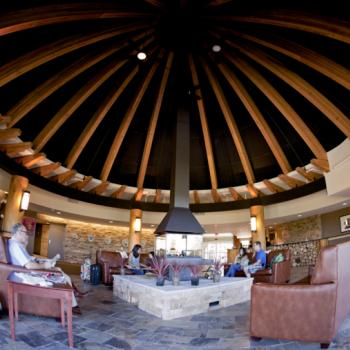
{"type": "Point", "coordinates": [26, 303]}
{"type": "Point", "coordinates": [273, 273]}
{"type": "Point", "coordinates": [305, 312]}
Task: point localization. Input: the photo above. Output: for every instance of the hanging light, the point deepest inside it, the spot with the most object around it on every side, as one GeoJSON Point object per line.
{"type": "Point", "coordinates": [137, 225]}
{"type": "Point", "coordinates": [253, 223]}
{"type": "Point", "coordinates": [216, 48]}
{"type": "Point", "coordinates": [25, 200]}
{"type": "Point", "coordinates": [141, 55]}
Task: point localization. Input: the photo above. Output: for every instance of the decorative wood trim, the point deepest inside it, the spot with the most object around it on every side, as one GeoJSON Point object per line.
{"type": "Point", "coordinates": [124, 125]}
{"type": "Point", "coordinates": [4, 119]}
{"type": "Point", "coordinates": [196, 197]}
{"type": "Point", "coordinates": [254, 192]}
{"type": "Point", "coordinates": [14, 148]}
{"type": "Point", "coordinates": [281, 104]}
{"type": "Point", "coordinates": [29, 161]}
{"type": "Point", "coordinates": [6, 134]}
{"type": "Point", "coordinates": [138, 195]}
{"type": "Point", "coordinates": [158, 195]}
{"type": "Point", "coordinates": [80, 185]}
{"type": "Point", "coordinates": [46, 170]}
{"type": "Point", "coordinates": [231, 123]}
{"type": "Point", "coordinates": [258, 118]}
{"type": "Point", "coordinates": [99, 189]}
{"type": "Point", "coordinates": [63, 177]}
{"type": "Point", "coordinates": [153, 122]}
{"type": "Point", "coordinates": [321, 164]}
{"type": "Point", "coordinates": [235, 195]}
{"type": "Point", "coordinates": [204, 124]}
{"type": "Point", "coordinates": [216, 196]}
{"type": "Point", "coordinates": [291, 181]}
{"type": "Point", "coordinates": [308, 175]}
{"type": "Point", "coordinates": [119, 192]}
{"type": "Point", "coordinates": [273, 187]}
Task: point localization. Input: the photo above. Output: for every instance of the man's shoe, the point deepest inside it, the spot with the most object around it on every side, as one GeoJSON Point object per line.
{"type": "Point", "coordinates": [76, 310]}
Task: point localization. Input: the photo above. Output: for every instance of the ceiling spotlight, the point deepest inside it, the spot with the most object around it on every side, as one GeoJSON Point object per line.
{"type": "Point", "coordinates": [111, 221]}
{"type": "Point", "coordinates": [141, 56]}
{"type": "Point", "coordinates": [344, 203]}
{"type": "Point", "coordinates": [216, 48]}
{"type": "Point", "coordinates": [58, 212]}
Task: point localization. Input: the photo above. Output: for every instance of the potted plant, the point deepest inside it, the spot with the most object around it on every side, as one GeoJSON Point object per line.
{"type": "Point", "coordinates": [196, 271]}
{"type": "Point", "coordinates": [176, 268]}
{"type": "Point", "coordinates": [159, 266]}
{"type": "Point", "coordinates": [217, 265]}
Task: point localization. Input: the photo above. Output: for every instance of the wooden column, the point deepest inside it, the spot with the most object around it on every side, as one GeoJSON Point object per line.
{"type": "Point", "coordinates": [134, 237]}
{"type": "Point", "coordinates": [259, 235]}
{"type": "Point", "coordinates": [13, 214]}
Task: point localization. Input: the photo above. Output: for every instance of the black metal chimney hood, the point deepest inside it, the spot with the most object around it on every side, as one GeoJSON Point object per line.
{"type": "Point", "coordinates": [180, 219]}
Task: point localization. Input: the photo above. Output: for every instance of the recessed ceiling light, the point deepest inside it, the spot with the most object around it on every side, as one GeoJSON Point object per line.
{"type": "Point", "coordinates": [216, 48]}
{"type": "Point", "coordinates": [300, 215]}
{"type": "Point", "coordinates": [58, 212]}
{"type": "Point", "coordinates": [344, 203]}
{"type": "Point", "coordinates": [153, 225]}
{"type": "Point", "coordinates": [141, 56]}
{"type": "Point", "coordinates": [111, 221]}
{"type": "Point", "coordinates": [270, 226]}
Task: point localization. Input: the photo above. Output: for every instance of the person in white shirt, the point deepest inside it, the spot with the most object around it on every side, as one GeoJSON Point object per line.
{"type": "Point", "coordinates": [19, 256]}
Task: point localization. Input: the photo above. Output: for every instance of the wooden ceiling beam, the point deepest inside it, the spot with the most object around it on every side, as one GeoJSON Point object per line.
{"type": "Point", "coordinates": [322, 103]}
{"type": "Point", "coordinates": [63, 177]}
{"type": "Point", "coordinates": [80, 185]}
{"type": "Point", "coordinates": [119, 192]}
{"type": "Point", "coordinates": [273, 187]}
{"type": "Point", "coordinates": [322, 164]}
{"type": "Point", "coordinates": [158, 195]}
{"type": "Point", "coordinates": [29, 161]}
{"type": "Point", "coordinates": [44, 54]}
{"type": "Point", "coordinates": [204, 124]}
{"type": "Point", "coordinates": [291, 181]}
{"type": "Point", "coordinates": [231, 123]}
{"type": "Point", "coordinates": [138, 195]}
{"type": "Point", "coordinates": [253, 191]}
{"type": "Point", "coordinates": [124, 125]}
{"type": "Point", "coordinates": [234, 194]}
{"type": "Point", "coordinates": [11, 149]}
{"type": "Point", "coordinates": [47, 169]}
{"type": "Point", "coordinates": [258, 118]}
{"type": "Point", "coordinates": [216, 196]}
{"type": "Point", "coordinates": [99, 189]}
{"type": "Point", "coordinates": [74, 103]}
{"type": "Point", "coordinates": [281, 104]}
{"type": "Point", "coordinates": [310, 176]}
{"type": "Point", "coordinates": [4, 119]}
{"type": "Point", "coordinates": [6, 134]}
{"type": "Point", "coordinates": [153, 122]}
{"type": "Point", "coordinates": [196, 197]}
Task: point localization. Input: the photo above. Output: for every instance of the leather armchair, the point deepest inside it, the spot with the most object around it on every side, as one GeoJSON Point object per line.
{"type": "Point", "coordinates": [305, 312]}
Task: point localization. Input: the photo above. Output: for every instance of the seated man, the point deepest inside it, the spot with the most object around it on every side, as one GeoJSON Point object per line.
{"type": "Point", "coordinates": [19, 256]}
{"type": "Point", "coordinates": [260, 260]}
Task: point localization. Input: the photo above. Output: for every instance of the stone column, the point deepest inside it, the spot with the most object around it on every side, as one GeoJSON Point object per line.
{"type": "Point", "coordinates": [134, 237]}
{"type": "Point", "coordinates": [13, 214]}
{"type": "Point", "coordinates": [259, 235]}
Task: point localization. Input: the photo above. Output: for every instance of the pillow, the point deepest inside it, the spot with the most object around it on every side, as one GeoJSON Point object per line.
{"type": "Point", "coordinates": [276, 259]}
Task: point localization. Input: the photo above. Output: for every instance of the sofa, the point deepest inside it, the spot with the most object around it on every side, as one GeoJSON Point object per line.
{"type": "Point", "coordinates": [310, 312]}
{"type": "Point", "coordinates": [26, 303]}
{"type": "Point", "coordinates": [273, 273]}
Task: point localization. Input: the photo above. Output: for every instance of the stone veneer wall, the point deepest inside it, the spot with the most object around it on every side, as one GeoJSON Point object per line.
{"type": "Point", "coordinates": [77, 245]}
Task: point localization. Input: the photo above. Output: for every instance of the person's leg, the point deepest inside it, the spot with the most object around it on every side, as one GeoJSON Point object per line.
{"type": "Point", "coordinates": [232, 270]}
{"type": "Point", "coordinates": [137, 271]}
{"type": "Point", "coordinates": [246, 271]}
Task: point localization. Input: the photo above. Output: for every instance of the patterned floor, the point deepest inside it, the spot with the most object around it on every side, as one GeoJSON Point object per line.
{"type": "Point", "coordinates": [110, 323]}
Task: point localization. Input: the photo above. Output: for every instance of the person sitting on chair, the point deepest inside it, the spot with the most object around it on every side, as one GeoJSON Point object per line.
{"type": "Point", "coordinates": [134, 260]}
{"type": "Point", "coordinates": [241, 261]}
{"type": "Point", "coordinates": [260, 260]}
{"type": "Point", "coordinates": [19, 256]}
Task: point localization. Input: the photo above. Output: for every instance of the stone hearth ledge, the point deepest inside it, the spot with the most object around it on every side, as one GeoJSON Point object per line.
{"type": "Point", "coordinates": [169, 302]}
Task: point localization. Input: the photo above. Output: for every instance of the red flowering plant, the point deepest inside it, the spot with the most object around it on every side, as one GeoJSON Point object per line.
{"type": "Point", "coordinates": [177, 268]}
{"type": "Point", "coordinates": [217, 265]}
{"type": "Point", "coordinates": [159, 265]}
{"type": "Point", "coordinates": [196, 270]}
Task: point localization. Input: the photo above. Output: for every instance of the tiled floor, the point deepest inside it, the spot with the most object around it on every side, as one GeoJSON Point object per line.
{"type": "Point", "coordinates": [110, 323]}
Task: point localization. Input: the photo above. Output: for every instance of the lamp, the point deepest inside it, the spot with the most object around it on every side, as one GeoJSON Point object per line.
{"type": "Point", "coordinates": [253, 223]}
{"type": "Point", "coordinates": [137, 225]}
{"type": "Point", "coordinates": [141, 55]}
{"type": "Point", "coordinates": [25, 200]}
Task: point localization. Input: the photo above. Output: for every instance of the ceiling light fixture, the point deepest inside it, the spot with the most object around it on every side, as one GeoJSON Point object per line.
{"type": "Point", "coordinates": [25, 200]}
{"type": "Point", "coordinates": [141, 56]}
{"type": "Point", "coordinates": [216, 48]}
{"type": "Point", "coordinates": [253, 225]}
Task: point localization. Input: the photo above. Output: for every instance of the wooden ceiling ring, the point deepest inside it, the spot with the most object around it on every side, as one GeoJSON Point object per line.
{"type": "Point", "coordinates": [253, 191]}
{"type": "Point", "coordinates": [204, 124]}
{"type": "Point", "coordinates": [80, 185]}
{"type": "Point", "coordinates": [291, 181]}
{"type": "Point", "coordinates": [216, 196]}
{"type": "Point", "coordinates": [158, 195]}
{"type": "Point", "coordinates": [6, 134]}
{"type": "Point", "coordinates": [231, 123]}
{"type": "Point", "coordinates": [153, 122]}
{"type": "Point", "coordinates": [119, 192]}
{"type": "Point", "coordinates": [196, 197]}
{"type": "Point", "coordinates": [47, 169]}
{"type": "Point", "coordinates": [12, 149]}
{"type": "Point", "coordinates": [273, 187]}
{"type": "Point", "coordinates": [99, 189]}
{"type": "Point", "coordinates": [124, 126]}
{"type": "Point", "coordinates": [74, 103]}
{"type": "Point", "coordinates": [63, 177]}
{"type": "Point", "coordinates": [307, 175]}
{"type": "Point", "coordinates": [138, 194]}
{"type": "Point", "coordinates": [33, 59]}
{"type": "Point", "coordinates": [30, 160]}
{"type": "Point", "coordinates": [234, 194]}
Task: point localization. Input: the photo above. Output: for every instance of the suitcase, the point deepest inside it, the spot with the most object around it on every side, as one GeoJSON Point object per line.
{"type": "Point", "coordinates": [95, 274]}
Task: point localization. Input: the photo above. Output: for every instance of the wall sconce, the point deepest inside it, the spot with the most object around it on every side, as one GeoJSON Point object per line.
{"type": "Point", "coordinates": [137, 225]}
{"type": "Point", "coordinates": [25, 200]}
{"type": "Point", "coordinates": [253, 223]}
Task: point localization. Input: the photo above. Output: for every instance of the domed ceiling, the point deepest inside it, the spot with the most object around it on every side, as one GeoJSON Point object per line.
{"type": "Point", "coordinates": [268, 81]}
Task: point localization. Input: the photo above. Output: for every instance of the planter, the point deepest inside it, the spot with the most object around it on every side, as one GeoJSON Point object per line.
{"type": "Point", "coordinates": [216, 277]}
{"type": "Point", "coordinates": [122, 271]}
{"type": "Point", "coordinates": [194, 281]}
{"type": "Point", "coordinates": [176, 280]}
{"type": "Point", "coordinates": [160, 281]}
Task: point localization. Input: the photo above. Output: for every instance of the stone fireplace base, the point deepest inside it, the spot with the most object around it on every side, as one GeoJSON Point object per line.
{"type": "Point", "coordinates": [169, 302]}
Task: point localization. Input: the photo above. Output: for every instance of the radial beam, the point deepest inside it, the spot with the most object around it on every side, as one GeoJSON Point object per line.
{"type": "Point", "coordinates": [254, 192]}
{"type": "Point", "coordinates": [74, 103]}
{"type": "Point", "coordinates": [33, 59]}
{"type": "Point", "coordinates": [281, 104]}
{"type": "Point", "coordinates": [30, 160]}
{"type": "Point", "coordinates": [273, 187]}
{"type": "Point", "coordinates": [321, 164]}
{"type": "Point", "coordinates": [216, 196]}
{"type": "Point", "coordinates": [153, 122]}
{"type": "Point", "coordinates": [300, 85]}
{"type": "Point", "coordinates": [234, 194]}
{"type": "Point", "coordinates": [291, 181]}
{"type": "Point", "coordinates": [204, 124]}
{"type": "Point", "coordinates": [309, 175]}
{"type": "Point", "coordinates": [47, 169]}
{"type": "Point", "coordinates": [138, 195]}
{"type": "Point", "coordinates": [258, 118]}
{"type": "Point", "coordinates": [6, 134]}
{"type": "Point", "coordinates": [119, 192]}
{"type": "Point", "coordinates": [196, 197]}
{"type": "Point", "coordinates": [99, 189]}
{"type": "Point", "coordinates": [158, 195]}
{"type": "Point", "coordinates": [63, 177]}
{"type": "Point", "coordinates": [231, 123]}
{"type": "Point", "coordinates": [80, 185]}
{"type": "Point", "coordinates": [12, 149]}
{"type": "Point", "coordinates": [124, 126]}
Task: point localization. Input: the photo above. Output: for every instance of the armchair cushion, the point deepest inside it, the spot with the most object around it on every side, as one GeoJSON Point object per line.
{"type": "Point", "coordinates": [326, 266]}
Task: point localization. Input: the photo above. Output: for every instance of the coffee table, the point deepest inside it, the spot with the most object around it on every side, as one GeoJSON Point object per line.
{"type": "Point", "coordinates": [63, 292]}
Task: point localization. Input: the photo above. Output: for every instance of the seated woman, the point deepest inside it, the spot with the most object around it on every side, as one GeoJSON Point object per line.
{"type": "Point", "coordinates": [134, 260]}
{"type": "Point", "coordinates": [241, 261]}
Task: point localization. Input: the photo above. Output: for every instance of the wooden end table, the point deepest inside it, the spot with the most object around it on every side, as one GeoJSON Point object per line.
{"type": "Point", "coordinates": [63, 292]}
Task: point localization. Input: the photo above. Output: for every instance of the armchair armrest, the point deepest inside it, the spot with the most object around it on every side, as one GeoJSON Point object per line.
{"type": "Point", "coordinates": [281, 271]}
{"type": "Point", "coordinates": [293, 312]}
